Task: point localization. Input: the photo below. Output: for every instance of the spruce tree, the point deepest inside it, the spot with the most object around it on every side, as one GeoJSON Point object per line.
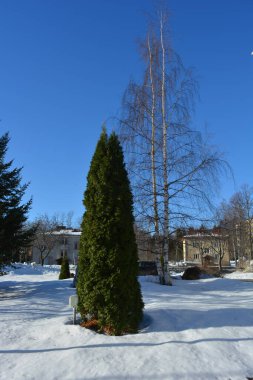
{"type": "Point", "coordinates": [13, 214]}
{"type": "Point", "coordinates": [65, 272]}
{"type": "Point", "coordinates": [108, 287]}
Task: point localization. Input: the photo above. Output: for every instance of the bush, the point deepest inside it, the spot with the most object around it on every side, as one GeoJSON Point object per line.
{"type": "Point", "coordinates": [192, 273]}
{"type": "Point", "coordinates": [212, 272]}
{"type": "Point", "coordinates": [65, 272]}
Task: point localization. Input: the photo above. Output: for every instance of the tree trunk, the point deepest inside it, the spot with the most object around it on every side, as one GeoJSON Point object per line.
{"type": "Point", "coordinates": [167, 279]}
{"type": "Point", "coordinates": [250, 238]}
{"type": "Point", "coordinates": [220, 263]}
{"type": "Point", "coordinates": [153, 164]}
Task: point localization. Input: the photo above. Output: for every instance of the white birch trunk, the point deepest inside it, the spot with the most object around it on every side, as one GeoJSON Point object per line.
{"type": "Point", "coordinates": [167, 279]}
{"type": "Point", "coordinates": [153, 153]}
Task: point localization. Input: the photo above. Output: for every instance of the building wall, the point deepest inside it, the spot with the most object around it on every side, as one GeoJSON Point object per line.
{"type": "Point", "coordinates": [196, 246]}
{"type": "Point", "coordinates": [68, 245]}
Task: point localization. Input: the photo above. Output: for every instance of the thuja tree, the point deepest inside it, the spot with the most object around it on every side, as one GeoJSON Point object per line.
{"type": "Point", "coordinates": [107, 287]}
{"type": "Point", "coordinates": [65, 272]}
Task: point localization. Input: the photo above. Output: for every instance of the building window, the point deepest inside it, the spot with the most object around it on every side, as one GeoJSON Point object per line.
{"type": "Point", "coordinates": [206, 250]}
{"type": "Point", "coordinates": [63, 252]}
{"type": "Point", "coordinates": [76, 245]}
{"type": "Point", "coordinates": [196, 256]}
{"type": "Point", "coordinates": [195, 244]}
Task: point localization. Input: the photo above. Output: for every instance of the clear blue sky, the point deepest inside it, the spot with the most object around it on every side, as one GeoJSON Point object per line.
{"type": "Point", "coordinates": [65, 65]}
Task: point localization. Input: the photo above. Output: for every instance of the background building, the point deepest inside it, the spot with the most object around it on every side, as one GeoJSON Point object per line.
{"type": "Point", "coordinates": [64, 242]}
{"type": "Point", "coordinates": [206, 249]}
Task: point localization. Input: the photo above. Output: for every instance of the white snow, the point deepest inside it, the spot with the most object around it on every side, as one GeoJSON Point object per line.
{"type": "Point", "coordinates": [193, 330]}
{"type": "Point", "coordinates": [67, 231]}
{"type": "Point", "coordinates": [240, 275]}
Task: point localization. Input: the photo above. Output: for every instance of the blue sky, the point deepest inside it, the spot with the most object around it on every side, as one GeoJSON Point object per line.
{"type": "Point", "coordinates": [65, 65]}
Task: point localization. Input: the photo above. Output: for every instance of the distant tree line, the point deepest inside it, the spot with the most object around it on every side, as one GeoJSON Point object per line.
{"type": "Point", "coordinates": [235, 217]}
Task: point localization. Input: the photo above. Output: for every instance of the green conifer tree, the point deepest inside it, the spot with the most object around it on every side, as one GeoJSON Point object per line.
{"type": "Point", "coordinates": [65, 272]}
{"type": "Point", "coordinates": [108, 287]}
{"type": "Point", "coordinates": [14, 235]}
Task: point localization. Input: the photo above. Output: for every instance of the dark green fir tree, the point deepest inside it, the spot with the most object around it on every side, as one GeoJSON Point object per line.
{"type": "Point", "coordinates": [108, 288]}
{"type": "Point", "coordinates": [14, 236]}
{"type": "Point", "coordinates": [65, 272]}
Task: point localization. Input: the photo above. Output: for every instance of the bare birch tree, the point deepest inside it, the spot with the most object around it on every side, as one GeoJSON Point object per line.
{"type": "Point", "coordinates": [45, 238]}
{"type": "Point", "coordinates": [171, 167]}
{"type": "Point", "coordinates": [219, 245]}
{"type": "Point", "coordinates": [229, 220]}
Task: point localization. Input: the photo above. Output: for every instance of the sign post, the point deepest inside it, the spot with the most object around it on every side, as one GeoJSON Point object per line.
{"type": "Point", "coordinates": [73, 301]}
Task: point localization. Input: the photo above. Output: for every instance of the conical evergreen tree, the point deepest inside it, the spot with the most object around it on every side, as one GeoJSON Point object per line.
{"type": "Point", "coordinates": [107, 287]}
{"type": "Point", "coordinates": [65, 272]}
{"type": "Point", "coordinates": [13, 214]}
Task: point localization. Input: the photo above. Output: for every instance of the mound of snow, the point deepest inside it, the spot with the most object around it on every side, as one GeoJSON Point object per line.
{"type": "Point", "coordinates": [239, 275]}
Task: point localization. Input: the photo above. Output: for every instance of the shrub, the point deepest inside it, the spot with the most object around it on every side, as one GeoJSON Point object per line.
{"type": "Point", "coordinates": [65, 272]}
{"type": "Point", "coordinates": [192, 273]}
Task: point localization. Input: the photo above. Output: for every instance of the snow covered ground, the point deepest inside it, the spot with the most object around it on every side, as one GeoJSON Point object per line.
{"type": "Point", "coordinates": [240, 276]}
{"type": "Point", "coordinates": [192, 330]}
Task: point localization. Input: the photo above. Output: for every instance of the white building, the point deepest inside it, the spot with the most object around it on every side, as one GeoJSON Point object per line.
{"type": "Point", "coordinates": [65, 243]}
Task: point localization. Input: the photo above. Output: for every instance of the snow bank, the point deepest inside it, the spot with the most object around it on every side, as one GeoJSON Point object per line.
{"type": "Point", "coordinates": [240, 275]}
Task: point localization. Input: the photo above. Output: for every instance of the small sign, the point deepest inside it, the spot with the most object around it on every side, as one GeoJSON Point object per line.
{"type": "Point", "coordinates": [73, 301]}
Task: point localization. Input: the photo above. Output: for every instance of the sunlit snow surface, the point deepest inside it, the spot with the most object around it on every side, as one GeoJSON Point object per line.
{"type": "Point", "coordinates": [193, 330]}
